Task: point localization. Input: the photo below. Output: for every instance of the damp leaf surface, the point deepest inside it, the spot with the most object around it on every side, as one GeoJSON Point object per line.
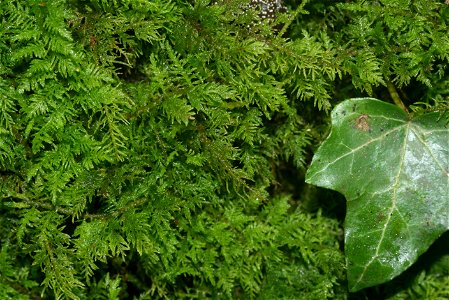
{"type": "Point", "coordinates": [393, 170]}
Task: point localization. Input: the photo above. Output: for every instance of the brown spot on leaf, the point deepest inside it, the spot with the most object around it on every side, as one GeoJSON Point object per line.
{"type": "Point", "coordinates": [361, 123]}
{"type": "Point", "coordinates": [380, 217]}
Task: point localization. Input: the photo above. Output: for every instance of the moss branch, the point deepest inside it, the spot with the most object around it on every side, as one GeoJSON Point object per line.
{"type": "Point", "coordinates": [48, 206]}
{"type": "Point", "coordinates": [297, 11]}
{"type": "Point", "coordinates": [20, 289]}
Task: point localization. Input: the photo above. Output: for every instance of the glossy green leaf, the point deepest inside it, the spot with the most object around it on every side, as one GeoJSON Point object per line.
{"type": "Point", "coordinates": [393, 170]}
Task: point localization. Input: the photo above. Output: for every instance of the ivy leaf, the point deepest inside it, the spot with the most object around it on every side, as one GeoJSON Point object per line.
{"type": "Point", "coordinates": [393, 170]}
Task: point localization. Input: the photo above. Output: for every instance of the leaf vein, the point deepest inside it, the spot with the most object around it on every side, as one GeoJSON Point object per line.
{"type": "Point", "coordinates": [392, 208]}
{"type": "Point", "coordinates": [357, 149]}
{"type": "Point", "coordinates": [430, 151]}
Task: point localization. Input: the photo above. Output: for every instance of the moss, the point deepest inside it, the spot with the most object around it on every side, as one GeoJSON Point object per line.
{"type": "Point", "coordinates": [157, 149]}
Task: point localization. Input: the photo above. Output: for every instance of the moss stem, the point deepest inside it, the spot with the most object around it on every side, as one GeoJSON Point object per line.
{"type": "Point", "coordinates": [298, 10]}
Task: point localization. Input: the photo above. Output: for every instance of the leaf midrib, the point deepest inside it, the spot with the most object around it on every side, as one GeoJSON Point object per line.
{"type": "Point", "coordinates": [393, 206]}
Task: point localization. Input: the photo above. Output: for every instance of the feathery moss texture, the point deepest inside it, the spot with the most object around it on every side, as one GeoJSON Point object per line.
{"type": "Point", "coordinates": [156, 149]}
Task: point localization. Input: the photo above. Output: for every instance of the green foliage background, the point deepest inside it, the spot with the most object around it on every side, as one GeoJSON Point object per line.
{"type": "Point", "coordinates": [157, 149]}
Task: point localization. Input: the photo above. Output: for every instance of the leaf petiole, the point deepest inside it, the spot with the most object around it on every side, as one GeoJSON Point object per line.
{"type": "Point", "coordinates": [395, 96]}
